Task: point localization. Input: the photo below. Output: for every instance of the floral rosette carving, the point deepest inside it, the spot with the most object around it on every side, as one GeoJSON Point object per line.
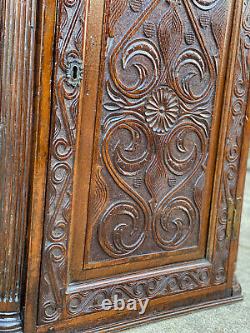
{"type": "Point", "coordinates": [162, 110]}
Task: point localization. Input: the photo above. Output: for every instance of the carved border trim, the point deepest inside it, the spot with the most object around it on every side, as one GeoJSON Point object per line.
{"type": "Point", "coordinates": [66, 94]}
{"type": "Point", "coordinates": [89, 299]}
{"type": "Point", "coordinates": [229, 202]}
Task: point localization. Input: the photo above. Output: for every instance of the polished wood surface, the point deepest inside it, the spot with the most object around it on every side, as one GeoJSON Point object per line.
{"type": "Point", "coordinates": [138, 144]}
{"type": "Point", "coordinates": [17, 34]}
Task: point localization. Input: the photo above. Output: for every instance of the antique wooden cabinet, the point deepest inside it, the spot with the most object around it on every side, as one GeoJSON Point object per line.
{"type": "Point", "coordinates": [124, 139]}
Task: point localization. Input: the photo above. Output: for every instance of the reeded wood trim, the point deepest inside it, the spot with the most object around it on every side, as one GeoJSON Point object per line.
{"type": "Point", "coordinates": [17, 69]}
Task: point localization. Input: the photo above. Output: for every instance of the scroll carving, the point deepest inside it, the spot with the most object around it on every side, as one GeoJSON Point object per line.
{"type": "Point", "coordinates": [67, 78]}
{"type": "Point", "coordinates": [228, 198]}
{"type": "Point", "coordinates": [156, 120]}
{"type": "Point", "coordinates": [165, 285]}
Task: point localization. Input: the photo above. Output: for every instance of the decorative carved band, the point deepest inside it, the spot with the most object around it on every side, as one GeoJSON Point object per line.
{"type": "Point", "coordinates": [67, 78]}
{"type": "Point", "coordinates": [91, 300]}
{"type": "Point", "coordinates": [17, 68]}
{"type": "Point", "coordinates": [230, 173]}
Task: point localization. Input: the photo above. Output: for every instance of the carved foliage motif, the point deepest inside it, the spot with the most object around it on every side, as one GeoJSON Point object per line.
{"type": "Point", "coordinates": [151, 68]}
{"type": "Point", "coordinates": [68, 74]}
{"type": "Point", "coordinates": [228, 198]}
{"type": "Point", "coordinates": [156, 118]}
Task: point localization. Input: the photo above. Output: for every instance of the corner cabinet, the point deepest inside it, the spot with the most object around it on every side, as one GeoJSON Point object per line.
{"type": "Point", "coordinates": [124, 140]}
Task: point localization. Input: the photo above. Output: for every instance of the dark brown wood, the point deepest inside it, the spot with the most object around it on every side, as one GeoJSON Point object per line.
{"type": "Point", "coordinates": [138, 141]}
{"type": "Point", "coordinates": [18, 22]}
{"type": "Point", "coordinates": [44, 62]}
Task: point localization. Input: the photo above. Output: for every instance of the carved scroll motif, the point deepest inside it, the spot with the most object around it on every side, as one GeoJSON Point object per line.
{"type": "Point", "coordinates": [155, 127]}
{"type": "Point", "coordinates": [228, 198]}
{"type": "Point", "coordinates": [164, 285]}
{"type": "Point", "coordinates": [67, 78]}
{"type": "Point", "coordinates": [157, 111]}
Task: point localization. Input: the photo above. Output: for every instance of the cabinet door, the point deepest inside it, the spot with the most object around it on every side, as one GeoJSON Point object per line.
{"type": "Point", "coordinates": [143, 199]}
{"type": "Point", "coordinates": [136, 151]}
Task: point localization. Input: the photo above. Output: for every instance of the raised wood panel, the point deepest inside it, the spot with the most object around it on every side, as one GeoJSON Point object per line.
{"type": "Point", "coordinates": [133, 165]}
{"type": "Point", "coordinates": [154, 127]}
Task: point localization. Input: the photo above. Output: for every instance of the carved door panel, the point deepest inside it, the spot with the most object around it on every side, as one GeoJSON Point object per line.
{"type": "Point", "coordinates": [152, 135]}
{"type": "Point", "coordinates": [155, 125]}
{"type": "Point", "coordinates": [137, 110]}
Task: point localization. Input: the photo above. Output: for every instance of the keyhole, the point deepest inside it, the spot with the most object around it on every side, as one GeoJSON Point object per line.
{"type": "Point", "coordinates": [75, 72]}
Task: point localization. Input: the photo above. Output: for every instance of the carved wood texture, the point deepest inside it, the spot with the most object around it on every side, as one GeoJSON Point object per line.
{"type": "Point", "coordinates": [91, 300]}
{"type": "Point", "coordinates": [158, 102]}
{"type": "Point", "coordinates": [17, 65]}
{"type": "Point", "coordinates": [66, 92]}
{"type": "Point", "coordinates": [229, 202]}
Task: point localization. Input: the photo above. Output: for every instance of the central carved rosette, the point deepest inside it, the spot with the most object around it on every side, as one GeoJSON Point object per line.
{"type": "Point", "coordinates": [162, 110]}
